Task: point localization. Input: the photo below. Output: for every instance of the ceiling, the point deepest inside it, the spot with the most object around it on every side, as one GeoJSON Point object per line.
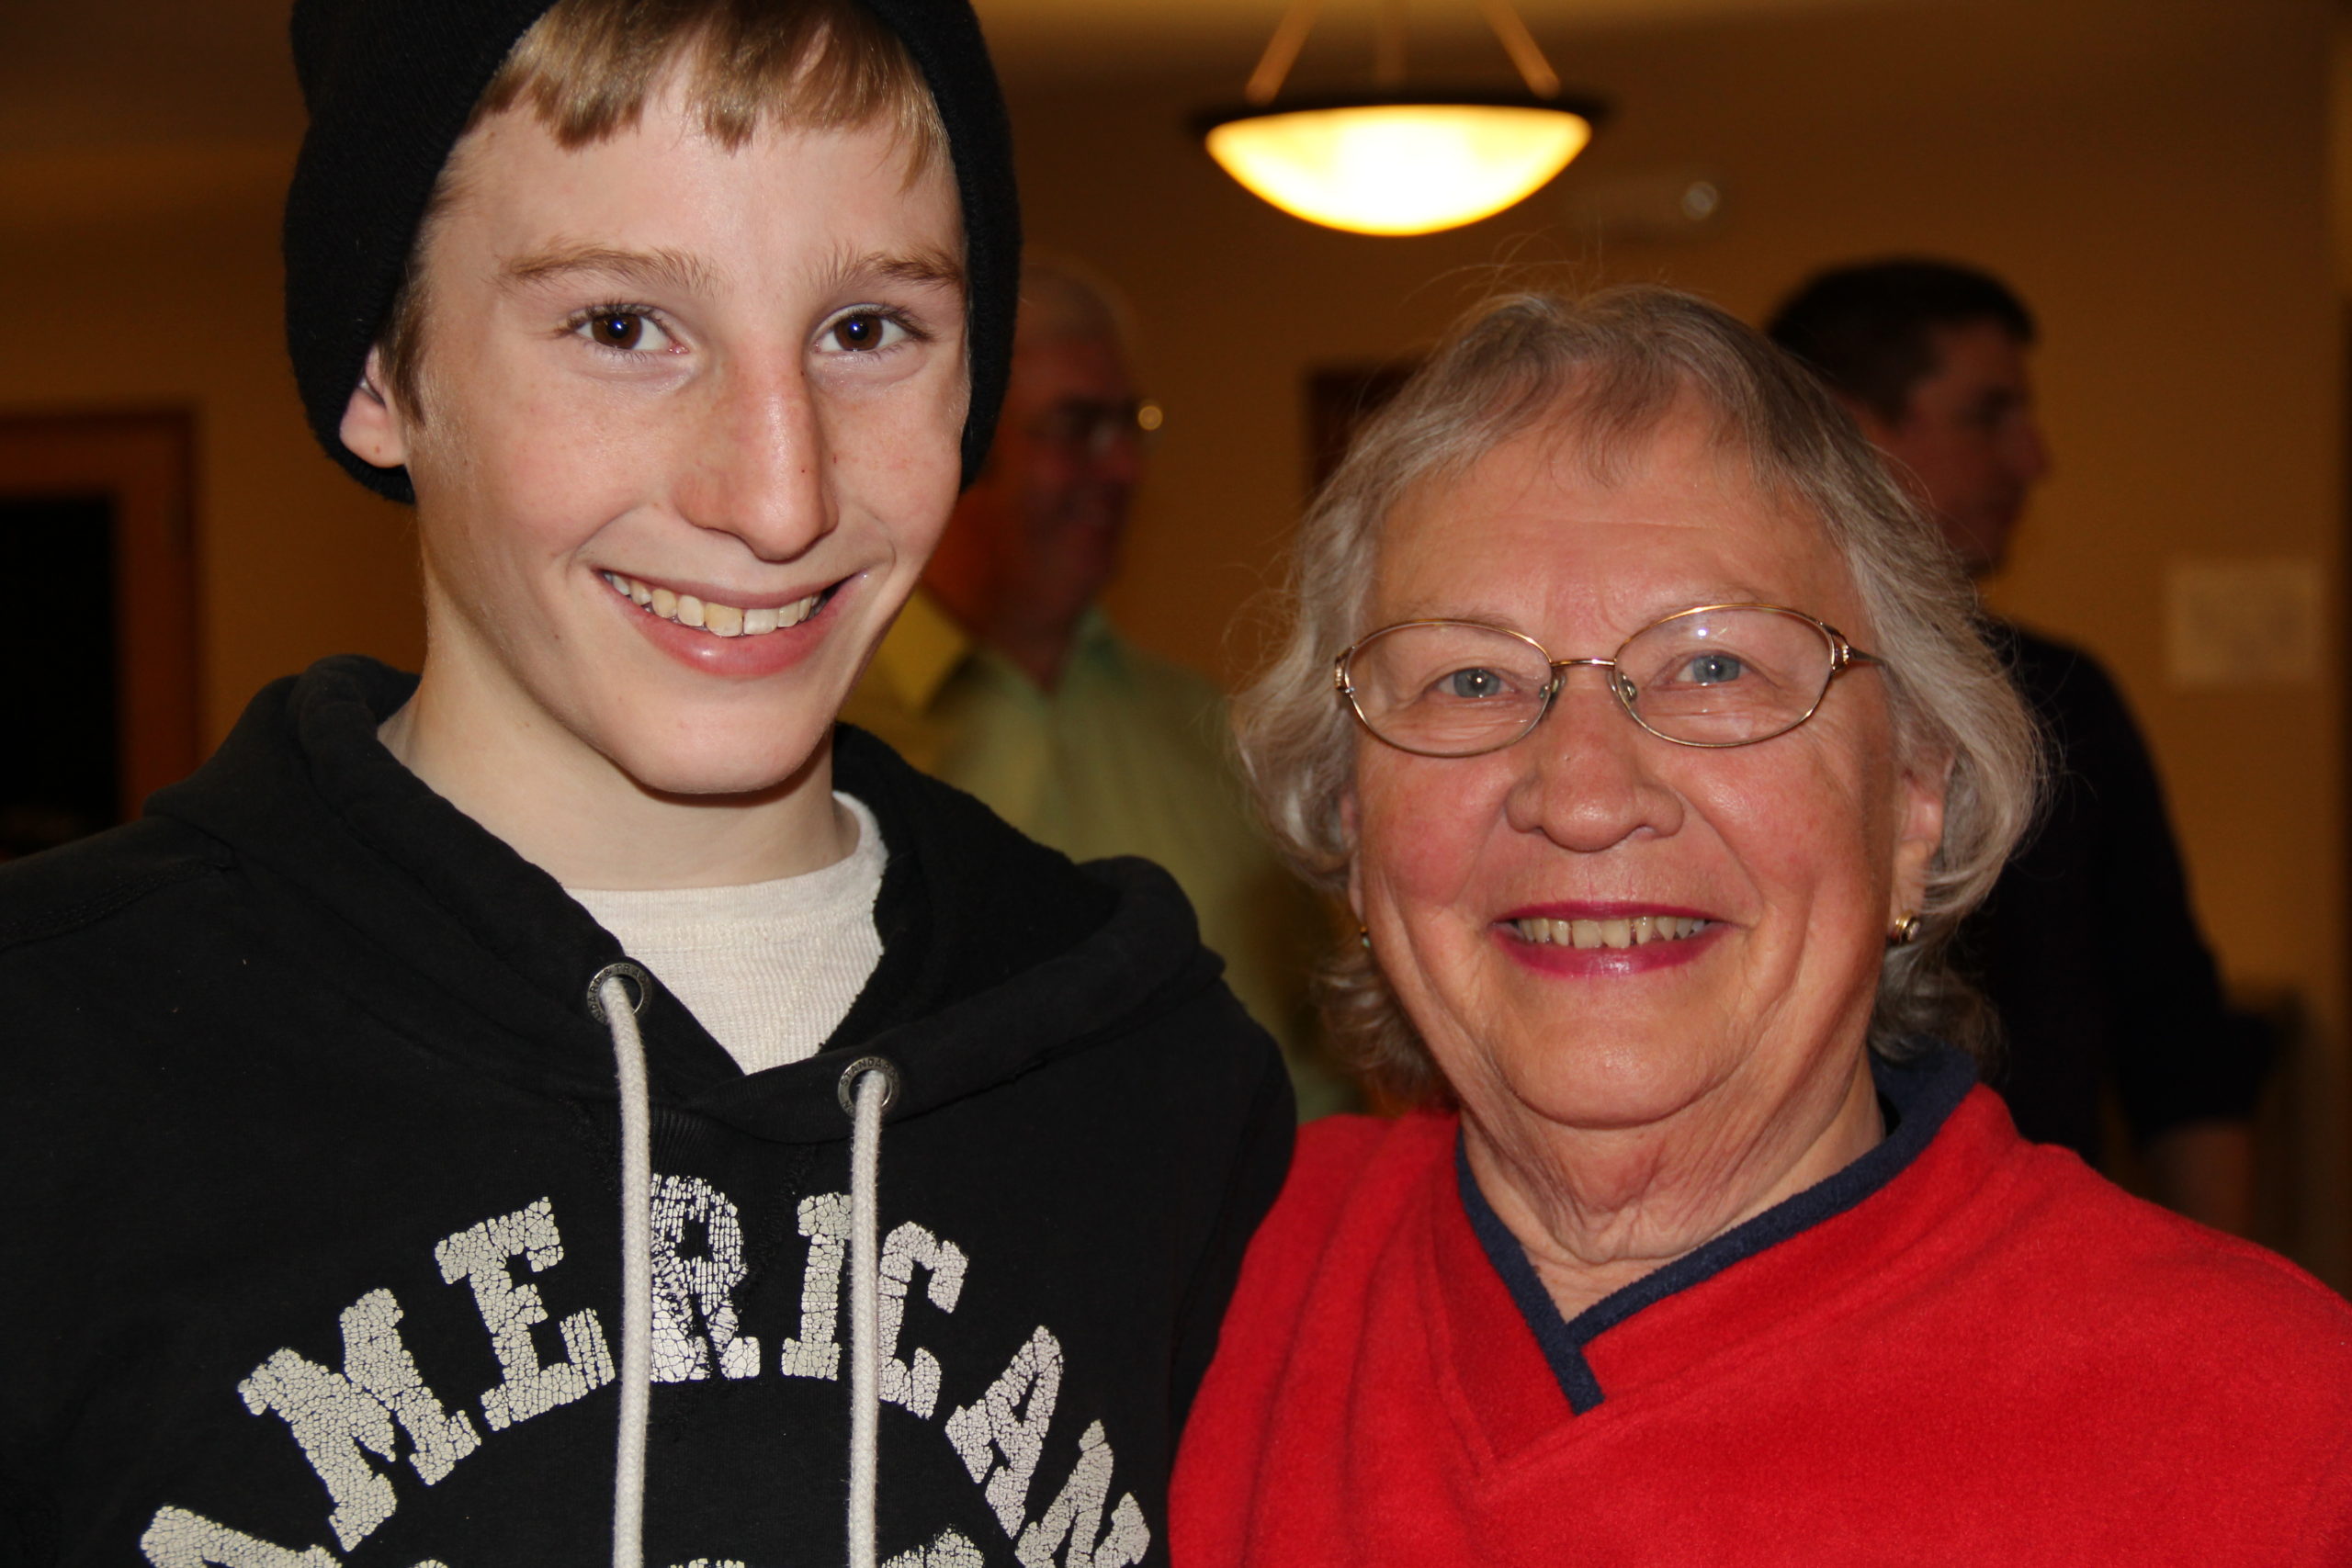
{"type": "Point", "coordinates": [81, 74]}
{"type": "Point", "coordinates": [1056, 37]}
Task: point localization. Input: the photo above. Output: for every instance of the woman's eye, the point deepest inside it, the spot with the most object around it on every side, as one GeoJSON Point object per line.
{"type": "Point", "coordinates": [1713, 670]}
{"type": "Point", "coordinates": [1472, 684]}
{"type": "Point", "coordinates": [624, 331]}
{"type": "Point", "coordinates": [863, 331]}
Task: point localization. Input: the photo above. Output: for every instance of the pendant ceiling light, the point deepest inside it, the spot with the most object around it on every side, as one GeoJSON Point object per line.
{"type": "Point", "coordinates": [1398, 159]}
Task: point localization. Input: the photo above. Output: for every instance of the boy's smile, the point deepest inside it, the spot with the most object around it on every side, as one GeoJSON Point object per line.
{"type": "Point", "coordinates": [718, 619]}
{"type": "Point", "coordinates": [689, 428]}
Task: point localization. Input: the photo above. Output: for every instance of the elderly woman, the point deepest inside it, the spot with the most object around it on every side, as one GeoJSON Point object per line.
{"type": "Point", "coordinates": [1642, 721]}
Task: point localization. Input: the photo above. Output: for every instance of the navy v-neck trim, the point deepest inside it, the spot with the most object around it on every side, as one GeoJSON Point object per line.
{"type": "Point", "coordinates": [1918, 1096]}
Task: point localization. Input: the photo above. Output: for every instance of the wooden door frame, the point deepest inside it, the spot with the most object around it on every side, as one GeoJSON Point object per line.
{"type": "Point", "coordinates": [145, 464]}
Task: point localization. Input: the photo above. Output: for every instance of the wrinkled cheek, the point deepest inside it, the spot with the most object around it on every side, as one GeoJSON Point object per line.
{"type": "Point", "coordinates": [1420, 834]}
{"type": "Point", "coordinates": [1828, 940]}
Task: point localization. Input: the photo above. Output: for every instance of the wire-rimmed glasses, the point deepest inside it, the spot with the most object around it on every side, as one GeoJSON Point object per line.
{"type": "Point", "coordinates": [1093, 427]}
{"type": "Point", "coordinates": [1715, 676]}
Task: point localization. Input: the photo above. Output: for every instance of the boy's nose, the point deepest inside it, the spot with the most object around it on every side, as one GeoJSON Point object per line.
{"type": "Point", "coordinates": [758, 467]}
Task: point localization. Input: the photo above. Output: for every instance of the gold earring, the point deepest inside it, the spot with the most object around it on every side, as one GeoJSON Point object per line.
{"type": "Point", "coordinates": [1364, 936]}
{"type": "Point", "coordinates": [1904, 931]}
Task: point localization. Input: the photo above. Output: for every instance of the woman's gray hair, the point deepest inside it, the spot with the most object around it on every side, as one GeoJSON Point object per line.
{"type": "Point", "coordinates": [1606, 371]}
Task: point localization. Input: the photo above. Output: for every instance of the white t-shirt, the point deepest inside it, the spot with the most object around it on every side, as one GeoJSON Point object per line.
{"type": "Point", "coordinates": [770, 968]}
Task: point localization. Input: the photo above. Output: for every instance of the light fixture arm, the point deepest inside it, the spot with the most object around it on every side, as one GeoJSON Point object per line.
{"type": "Point", "coordinates": [1519, 44]}
{"type": "Point", "coordinates": [1281, 51]}
{"type": "Point", "coordinates": [1388, 69]}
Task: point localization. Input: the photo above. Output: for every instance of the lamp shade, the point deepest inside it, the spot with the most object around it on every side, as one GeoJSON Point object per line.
{"type": "Point", "coordinates": [1400, 165]}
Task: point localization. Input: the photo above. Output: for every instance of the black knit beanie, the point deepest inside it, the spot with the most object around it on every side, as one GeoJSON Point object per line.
{"type": "Point", "coordinates": [391, 85]}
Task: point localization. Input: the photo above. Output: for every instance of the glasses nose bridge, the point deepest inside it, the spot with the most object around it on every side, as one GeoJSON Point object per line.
{"type": "Point", "coordinates": [1560, 667]}
{"type": "Point", "coordinates": [1559, 683]}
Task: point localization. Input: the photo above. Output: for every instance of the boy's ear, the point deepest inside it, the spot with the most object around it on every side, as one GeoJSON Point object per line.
{"type": "Point", "coordinates": [372, 425]}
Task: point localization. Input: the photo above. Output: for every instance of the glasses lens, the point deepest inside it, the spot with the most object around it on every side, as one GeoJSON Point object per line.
{"type": "Point", "coordinates": [1080, 425]}
{"type": "Point", "coordinates": [1726, 677]}
{"type": "Point", "coordinates": [1447, 689]}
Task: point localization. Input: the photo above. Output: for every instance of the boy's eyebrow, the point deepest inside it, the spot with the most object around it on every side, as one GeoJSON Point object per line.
{"type": "Point", "coordinates": [676, 269]}
{"type": "Point", "coordinates": [923, 266]}
{"type": "Point", "coordinates": [685, 271]}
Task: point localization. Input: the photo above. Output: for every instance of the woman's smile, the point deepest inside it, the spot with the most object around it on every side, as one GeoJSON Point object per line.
{"type": "Point", "coordinates": [1605, 939]}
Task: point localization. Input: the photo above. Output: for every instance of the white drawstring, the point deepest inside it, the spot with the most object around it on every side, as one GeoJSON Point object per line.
{"type": "Point", "coordinates": [868, 1087]}
{"type": "Point", "coordinates": [612, 1002]}
{"type": "Point", "coordinates": [870, 1082]}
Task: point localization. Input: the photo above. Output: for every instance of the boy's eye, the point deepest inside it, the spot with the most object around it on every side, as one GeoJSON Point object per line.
{"type": "Point", "coordinates": [625, 331]}
{"type": "Point", "coordinates": [863, 331]}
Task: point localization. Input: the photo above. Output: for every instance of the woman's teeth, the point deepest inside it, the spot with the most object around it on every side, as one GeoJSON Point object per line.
{"type": "Point", "coordinates": [1631, 931]}
{"type": "Point", "coordinates": [719, 620]}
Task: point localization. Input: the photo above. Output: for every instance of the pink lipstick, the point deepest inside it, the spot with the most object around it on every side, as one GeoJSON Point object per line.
{"type": "Point", "coordinates": [1605, 939]}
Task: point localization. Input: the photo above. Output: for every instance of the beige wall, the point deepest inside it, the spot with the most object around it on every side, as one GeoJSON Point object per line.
{"type": "Point", "coordinates": [2150, 172]}
{"type": "Point", "coordinates": [2151, 176]}
{"type": "Point", "coordinates": [148, 277]}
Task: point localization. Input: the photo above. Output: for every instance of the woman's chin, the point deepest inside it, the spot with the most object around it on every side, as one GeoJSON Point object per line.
{"type": "Point", "coordinates": [1606, 1088]}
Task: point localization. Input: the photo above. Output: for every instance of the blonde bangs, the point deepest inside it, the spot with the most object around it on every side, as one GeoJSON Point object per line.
{"type": "Point", "coordinates": [587, 67]}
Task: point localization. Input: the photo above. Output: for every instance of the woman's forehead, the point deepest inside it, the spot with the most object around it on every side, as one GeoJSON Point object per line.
{"type": "Point", "coordinates": [1542, 525]}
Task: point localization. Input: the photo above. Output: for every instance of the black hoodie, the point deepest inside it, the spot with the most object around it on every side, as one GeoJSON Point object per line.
{"type": "Point", "coordinates": [309, 1181]}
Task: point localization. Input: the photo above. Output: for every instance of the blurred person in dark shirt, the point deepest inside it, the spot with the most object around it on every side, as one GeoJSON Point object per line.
{"type": "Point", "coordinates": [2087, 948]}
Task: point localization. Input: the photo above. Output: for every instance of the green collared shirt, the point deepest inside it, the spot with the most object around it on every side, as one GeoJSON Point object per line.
{"type": "Point", "coordinates": [1126, 756]}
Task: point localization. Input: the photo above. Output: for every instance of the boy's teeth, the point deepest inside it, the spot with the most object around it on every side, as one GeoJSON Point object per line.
{"type": "Point", "coordinates": [720, 620]}
{"type": "Point", "coordinates": [1634, 930]}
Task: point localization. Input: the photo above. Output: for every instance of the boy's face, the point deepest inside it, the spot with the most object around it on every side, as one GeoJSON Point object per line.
{"type": "Point", "coordinates": [726, 379]}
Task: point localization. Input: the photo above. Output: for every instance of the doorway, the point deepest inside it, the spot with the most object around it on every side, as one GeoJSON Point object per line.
{"type": "Point", "coordinates": [100, 698]}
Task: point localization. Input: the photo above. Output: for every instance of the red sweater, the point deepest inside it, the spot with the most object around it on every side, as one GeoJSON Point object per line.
{"type": "Point", "coordinates": [1963, 1349]}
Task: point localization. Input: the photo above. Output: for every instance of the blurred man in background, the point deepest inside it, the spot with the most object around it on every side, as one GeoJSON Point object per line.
{"type": "Point", "coordinates": [2087, 947]}
{"type": "Point", "coordinates": [1004, 678]}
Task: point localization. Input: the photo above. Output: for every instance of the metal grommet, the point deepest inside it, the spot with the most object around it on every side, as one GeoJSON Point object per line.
{"type": "Point", "coordinates": [858, 1069]}
{"type": "Point", "coordinates": [629, 974]}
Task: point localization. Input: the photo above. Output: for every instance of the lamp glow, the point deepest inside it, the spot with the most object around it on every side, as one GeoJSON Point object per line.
{"type": "Point", "coordinates": [1398, 168]}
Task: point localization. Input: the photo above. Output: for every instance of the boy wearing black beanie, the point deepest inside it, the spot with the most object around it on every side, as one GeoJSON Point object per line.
{"type": "Point", "coordinates": [577, 1102]}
